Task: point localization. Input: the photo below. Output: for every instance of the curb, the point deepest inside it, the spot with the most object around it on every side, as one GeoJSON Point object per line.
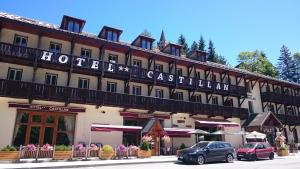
{"type": "Point", "coordinates": [100, 164]}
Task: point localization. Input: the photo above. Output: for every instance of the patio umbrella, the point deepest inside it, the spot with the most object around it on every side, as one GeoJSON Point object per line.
{"type": "Point", "coordinates": [198, 131]}
{"type": "Point", "coordinates": [218, 132]}
{"type": "Point", "coordinates": [239, 133]}
{"type": "Point", "coordinates": [255, 135]}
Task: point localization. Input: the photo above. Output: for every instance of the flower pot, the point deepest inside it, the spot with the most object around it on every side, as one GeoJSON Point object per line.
{"type": "Point", "coordinates": [62, 155]}
{"type": "Point", "coordinates": [9, 155]}
{"type": "Point", "coordinates": [282, 152]}
{"type": "Point", "coordinates": [106, 155]}
{"type": "Point", "coordinates": [144, 154]}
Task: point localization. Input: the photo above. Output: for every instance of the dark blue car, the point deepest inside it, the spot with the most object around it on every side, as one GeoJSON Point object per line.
{"type": "Point", "coordinates": [207, 151]}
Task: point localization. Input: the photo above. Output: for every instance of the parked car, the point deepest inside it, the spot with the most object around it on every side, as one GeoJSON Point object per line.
{"type": "Point", "coordinates": [207, 151]}
{"type": "Point", "coordinates": [256, 150]}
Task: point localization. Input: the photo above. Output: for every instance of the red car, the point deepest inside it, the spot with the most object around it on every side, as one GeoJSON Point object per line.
{"type": "Point", "coordinates": [256, 150]}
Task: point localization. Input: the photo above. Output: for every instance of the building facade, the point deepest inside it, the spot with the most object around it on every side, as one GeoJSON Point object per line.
{"type": "Point", "coordinates": [57, 81]}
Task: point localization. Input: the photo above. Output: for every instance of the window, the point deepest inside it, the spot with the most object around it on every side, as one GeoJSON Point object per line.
{"type": "Point", "coordinates": [51, 79]}
{"type": "Point", "coordinates": [198, 98]}
{"type": "Point", "coordinates": [14, 74]}
{"type": "Point", "coordinates": [175, 51]}
{"type": "Point", "coordinates": [85, 53]}
{"type": "Point", "coordinates": [83, 83]}
{"type": "Point", "coordinates": [228, 102]}
{"type": "Point", "coordinates": [250, 105]}
{"type": "Point", "coordinates": [20, 41]}
{"type": "Point", "coordinates": [73, 26]}
{"type": "Point", "coordinates": [248, 87]}
{"type": "Point", "coordinates": [55, 47]}
{"type": "Point", "coordinates": [178, 96]}
{"type": "Point", "coordinates": [214, 100]}
{"type": "Point", "coordinates": [179, 72]}
{"type": "Point", "coordinates": [159, 93]}
{"type": "Point", "coordinates": [271, 108]}
{"type": "Point", "coordinates": [136, 90]}
{"type": "Point", "coordinates": [198, 75]}
{"type": "Point", "coordinates": [159, 67]}
{"type": "Point", "coordinates": [137, 63]}
{"type": "Point", "coordinates": [146, 44]}
{"type": "Point", "coordinates": [214, 77]}
{"type": "Point", "coordinates": [112, 36]}
{"type": "Point", "coordinates": [111, 87]}
{"type": "Point", "coordinates": [113, 58]}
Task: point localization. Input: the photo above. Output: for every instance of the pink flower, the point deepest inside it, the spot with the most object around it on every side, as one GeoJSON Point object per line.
{"type": "Point", "coordinates": [47, 147]}
{"type": "Point", "coordinates": [79, 147]}
{"type": "Point", "coordinates": [94, 147]}
{"type": "Point", "coordinates": [30, 147]}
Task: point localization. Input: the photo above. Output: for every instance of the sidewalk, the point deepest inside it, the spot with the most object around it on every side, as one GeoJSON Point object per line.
{"type": "Point", "coordinates": [81, 163]}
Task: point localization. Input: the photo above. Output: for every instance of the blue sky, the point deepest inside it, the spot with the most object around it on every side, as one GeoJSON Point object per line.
{"type": "Point", "coordinates": [233, 25]}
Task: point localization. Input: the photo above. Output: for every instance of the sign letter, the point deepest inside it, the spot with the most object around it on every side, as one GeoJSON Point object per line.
{"type": "Point", "coordinates": [95, 64]}
{"type": "Point", "coordinates": [150, 74]}
{"type": "Point", "coordinates": [79, 63]}
{"type": "Point", "coordinates": [46, 56]}
{"type": "Point", "coordinates": [63, 59]}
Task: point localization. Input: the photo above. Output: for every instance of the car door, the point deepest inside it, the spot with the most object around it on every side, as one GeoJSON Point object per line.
{"type": "Point", "coordinates": [259, 150]}
{"type": "Point", "coordinates": [212, 152]}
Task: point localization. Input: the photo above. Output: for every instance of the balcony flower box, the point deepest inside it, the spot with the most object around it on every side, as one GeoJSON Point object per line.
{"type": "Point", "coordinates": [144, 153]}
{"type": "Point", "coordinates": [107, 153]}
{"type": "Point", "coordinates": [62, 152]}
{"type": "Point", "coordinates": [9, 153]}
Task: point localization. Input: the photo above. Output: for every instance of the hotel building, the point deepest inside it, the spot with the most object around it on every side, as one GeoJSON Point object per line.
{"type": "Point", "coordinates": [58, 82]}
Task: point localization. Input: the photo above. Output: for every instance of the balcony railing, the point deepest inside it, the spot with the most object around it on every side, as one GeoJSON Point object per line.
{"type": "Point", "coordinates": [26, 55]}
{"type": "Point", "coordinates": [280, 98]}
{"type": "Point", "coordinates": [289, 119]}
{"type": "Point", "coordinates": [35, 91]}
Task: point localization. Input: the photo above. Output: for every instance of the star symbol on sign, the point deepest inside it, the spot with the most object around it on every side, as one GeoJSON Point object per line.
{"type": "Point", "coordinates": [126, 69]}
{"type": "Point", "coordinates": [121, 68]}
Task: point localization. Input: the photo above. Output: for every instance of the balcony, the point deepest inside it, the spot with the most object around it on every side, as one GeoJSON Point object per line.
{"type": "Point", "coordinates": [280, 98]}
{"type": "Point", "coordinates": [289, 119]}
{"type": "Point", "coordinates": [32, 56]}
{"type": "Point", "coordinates": [35, 91]}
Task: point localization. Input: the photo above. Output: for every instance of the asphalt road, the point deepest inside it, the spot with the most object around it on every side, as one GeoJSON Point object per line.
{"type": "Point", "coordinates": [278, 163]}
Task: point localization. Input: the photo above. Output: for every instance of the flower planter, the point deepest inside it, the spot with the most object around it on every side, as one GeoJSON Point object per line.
{"type": "Point", "coordinates": [45, 154]}
{"type": "Point", "coordinates": [9, 155]}
{"type": "Point", "coordinates": [144, 154]}
{"type": "Point", "coordinates": [106, 155]}
{"type": "Point", "coordinates": [282, 152]}
{"type": "Point", "coordinates": [62, 155]}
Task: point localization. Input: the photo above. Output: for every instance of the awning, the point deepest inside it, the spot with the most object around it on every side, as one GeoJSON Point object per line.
{"type": "Point", "coordinates": [109, 128]}
{"type": "Point", "coordinates": [178, 132]}
{"type": "Point", "coordinates": [216, 123]}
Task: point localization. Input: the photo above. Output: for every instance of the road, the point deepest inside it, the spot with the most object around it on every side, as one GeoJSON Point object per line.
{"type": "Point", "coordinates": [278, 163]}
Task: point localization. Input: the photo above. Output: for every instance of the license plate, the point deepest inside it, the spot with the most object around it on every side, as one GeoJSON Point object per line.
{"type": "Point", "coordinates": [240, 155]}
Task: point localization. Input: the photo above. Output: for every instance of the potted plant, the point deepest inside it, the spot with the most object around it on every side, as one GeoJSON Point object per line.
{"type": "Point", "coordinates": [283, 150]}
{"type": "Point", "coordinates": [9, 153]}
{"type": "Point", "coordinates": [133, 151]}
{"type": "Point", "coordinates": [80, 151]}
{"type": "Point", "coordinates": [107, 152]}
{"type": "Point", "coordinates": [182, 146]}
{"type": "Point", "coordinates": [29, 151]}
{"type": "Point", "coordinates": [46, 151]}
{"type": "Point", "coordinates": [122, 151]}
{"type": "Point", "coordinates": [144, 151]}
{"type": "Point", "coordinates": [62, 152]}
{"type": "Point", "coordinates": [93, 150]}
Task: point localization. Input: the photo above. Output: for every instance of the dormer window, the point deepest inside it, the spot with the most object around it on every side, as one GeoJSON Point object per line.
{"type": "Point", "coordinates": [146, 44]}
{"type": "Point", "coordinates": [112, 36]}
{"type": "Point", "coordinates": [175, 51]}
{"type": "Point", "coordinates": [73, 26]}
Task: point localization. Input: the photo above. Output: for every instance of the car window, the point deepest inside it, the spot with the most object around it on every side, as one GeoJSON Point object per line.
{"type": "Point", "coordinates": [212, 146]}
{"type": "Point", "coordinates": [267, 145]}
{"type": "Point", "coordinates": [220, 145]}
{"type": "Point", "coordinates": [260, 146]}
{"type": "Point", "coordinates": [200, 145]}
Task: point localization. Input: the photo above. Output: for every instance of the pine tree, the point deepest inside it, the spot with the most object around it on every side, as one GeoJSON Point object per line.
{"type": "Point", "coordinates": [211, 52]}
{"type": "Point", "coordinates": [201, 45]}
{"type": "Point", "coordinates": [296, 58]}
{"type": "Point", "coordinates": [194, 46]}
{"type": "Point", "coordinates": [182, 41]}
{"type": "Point", "coordinates": [286, 66]}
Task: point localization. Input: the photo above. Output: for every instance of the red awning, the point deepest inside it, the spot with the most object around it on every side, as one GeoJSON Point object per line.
{"type": "Point", "coordinates": [178, 132]}
{"type": "Point", "coordinates": [216, 123]}
{"type": "Point", "coordinates": [109, 128]}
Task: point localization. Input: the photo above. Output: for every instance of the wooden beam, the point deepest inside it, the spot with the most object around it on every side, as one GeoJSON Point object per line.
{"type": "Point", "coordinates": [126, 86]}
{"type": "Point", "coordinates": [101, 58]}
{"type": "Point", "coordinates": [150, 88]}
{"type": "Point", "coordinates": [253, 84]}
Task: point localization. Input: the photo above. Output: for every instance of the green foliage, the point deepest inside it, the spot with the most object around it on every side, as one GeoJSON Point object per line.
{"type": "Point", "coordinates": [182, 41]}
{"type": "Point", "coordinates": [145, 146]}
{"type": "Point", "coordinates": [182, 146]}
{"type": "Point", "coordinates": [296, 58]}
{"type": "Point", "coordinates": [201, 44]}
{"type": "Point", "coordinates": [211, 52]}
{"type": "Point", "coordinates": [256, 61]}
{"type": "Point", "coordinates": [220, 59]}
{"type": "Point", "coordinates": [283, 147]}
{"type": "Point", "coordinates": [63, 148]}
{"type": "Point", "coordinates": [107, 149]}
{"type": "Point", "coordinates": [286, 65]}
{"type": "Point", "coordinates": [9, 148]}
{"type": "Point", "coordinates": [194, 46]}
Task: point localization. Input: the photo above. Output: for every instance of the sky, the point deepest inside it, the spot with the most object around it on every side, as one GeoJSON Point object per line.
{"type": "Point", "coordinates": [233, 25]}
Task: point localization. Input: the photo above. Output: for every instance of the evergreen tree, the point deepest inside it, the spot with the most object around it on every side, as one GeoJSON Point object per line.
{"type": "Point", "coordinates": [220, 59]}
{"type": "Point", "coordinates": [286, 66]}
{"type": "Point", "coordinates": [296, 58]}
{"type": "Point", "coordinates": [201, 45]}
{"type": "Point", "coordinates": [211, 52]}
{"type": "Point", "coordinates": [182, 41]}
{"type": "Point", "coordinates": [194, 46]}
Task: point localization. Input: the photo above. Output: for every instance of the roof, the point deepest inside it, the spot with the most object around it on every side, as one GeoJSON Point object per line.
{"type": "Point", "coordinates": [260, 119]}
{"type": "Point", "coordinates": [162, 37]}
{"type": "Point", "coordinates": [154, 51]}
{"type": "Point", "coordinates": [150, 124]}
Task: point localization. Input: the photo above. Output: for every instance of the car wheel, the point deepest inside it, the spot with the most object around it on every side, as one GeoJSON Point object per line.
{"type": "Point", "coordinates": [229, 158]}
{"type": "Point", "coordinates": [254, 157]}
{"type": "Point", "coordinates": [200, 160]}
{"type": "Point", "coordinates": [271, 156]}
